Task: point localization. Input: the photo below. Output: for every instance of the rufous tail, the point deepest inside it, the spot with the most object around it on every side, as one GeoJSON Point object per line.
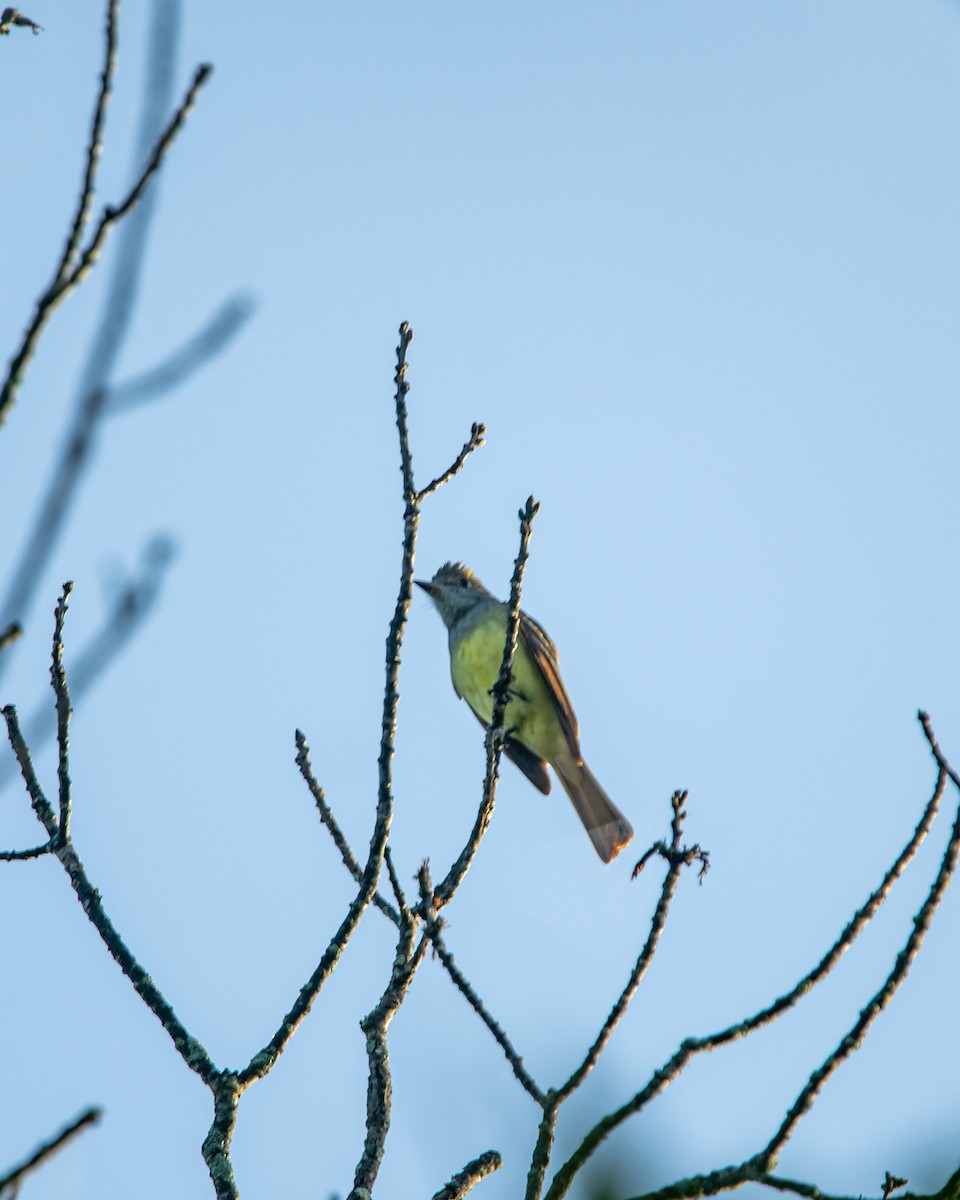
{"type": "Point", "coordinates": [609, 829]}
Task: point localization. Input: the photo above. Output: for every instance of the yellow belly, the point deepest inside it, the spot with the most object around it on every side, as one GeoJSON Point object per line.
{"type": "Point", "coordinates": [531, 715]}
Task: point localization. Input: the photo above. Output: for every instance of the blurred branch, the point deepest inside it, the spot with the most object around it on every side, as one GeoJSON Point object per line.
{"type": "Point", "coordinates": [10, 1182]}
{"type": "Point", "coordinates": [200, 349]}
{"type": "Point", "coordinates": [132, 605]}
{"type": "Point", "coordinates": [96, 398]}
{"type": "Point", "coordinates": [9, 635]}
{"type": "Point", "coordinates": [891, 1184]}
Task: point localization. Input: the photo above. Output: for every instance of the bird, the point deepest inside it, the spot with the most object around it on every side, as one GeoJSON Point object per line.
{"type": "Point", "coordinates": [541, 726]}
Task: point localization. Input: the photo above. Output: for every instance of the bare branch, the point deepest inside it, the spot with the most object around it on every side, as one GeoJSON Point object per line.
{"type": "Point", "coordinates": [94, 148]}
{"type": "Point", "coordinates": [52, 296]}
{"type": "Point", "coordinates": [433, 925]}
{"type": "Point", "coordinates": [13, 1178]}
{"type": "Point", "coordinates": [26, 855]}
{"type": "Point", "coordinates": [465, 1180]}
{"type": "Point", "coordinates": [95, 399]}
{"type": "Point", "coordinates": [474, 442]}
{"type": "Point", "coordinates": [192, 1052]}
{"type": "Point", "coordinates": [379, 1083]}
{"type": "Point", "coordinates": [398, 892]}
{"type": "Point", "coordinates": [264, 1060]}
{"type": "Point", "coordinates": [112, 215]}
{"type": "Point", "coordinates": [328, 819]}
{"type": "Point", "coordinates": [216, 1145]}
{"type": "Point", "coordinates": [678, 856]}
{"type": "Point", "coordinates": [690, 1047]}
{"type": "Point", "coordinates": [69, 276]}
{"type": "Point", "coordinates": [854, 1038]}
{"type": "Point", "coordinates": [213, 338]}
{"type": "Point", "coordinates": [64, 713]}
{"type": "Point", "coordinates": [41, 806]}
{"type": "Point", "coordinates": [541, 1151]}
{"type": "Point", "coordinates": [130, 608]}
{"type": "Point", "coordinates": [496, 734]}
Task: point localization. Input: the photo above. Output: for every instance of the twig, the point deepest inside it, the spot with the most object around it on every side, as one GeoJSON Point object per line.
{"type": "Point", "coordinates": [130, 608]}
{"type": "Point", "coordinates": [26, 855]}
{"type": "Point", "coordinates": [64, 712]}
{"type": "Point", "coordinates": [73, 270]}
{"type": "Point", "coordinates": [496, 734]}
{"type": "Point", "coordinates": [94, 148]}
{"type": "Point", "coordinates": [41, 806]}
{"type": "Point", "coordinates": [678, 856]}
{"type": "Point", "coordinates": [474, 442]}
{"type": "Point", "coordinates": [111, 215]}
{"type": "Point", "coordinates": [461, 1183]}
{"type": "Point", "coordinates": [433, 925]}
{"type": "Point", "coordinates": [394, 880]}
{"type": "Point", "coordinates": [52, 296]}
{"type": "Point", "coordinates": [14, 1177]}
{"type": "Point", "coordinates": [190, 1050]}
{"type": "Point", "coordinates": [328, 819]}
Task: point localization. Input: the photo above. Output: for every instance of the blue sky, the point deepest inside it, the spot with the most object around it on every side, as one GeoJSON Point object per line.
{"type": "Point", "coordinates": [695, 266]}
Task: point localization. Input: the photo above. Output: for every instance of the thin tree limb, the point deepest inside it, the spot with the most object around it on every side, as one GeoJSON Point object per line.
{"type": "Point", "coordinates": [678, 857]}
{"type": "Point", "coordinates": [474, 442]}
{"type": "Point", "coordinates": [465, 1180]}
{"type": "Point", "coordinates": [135, 601]}
{"type": "Point", "coordinates": [433, 925]}
{"type": "Point", "coordinates": [190, 1050]}
{"type": "Point", "coordinates": [13, 1178]}
{"type": "Point", "coordinates": [496, 734]}
{"type": "Point", "coordinates": [690, 1047]}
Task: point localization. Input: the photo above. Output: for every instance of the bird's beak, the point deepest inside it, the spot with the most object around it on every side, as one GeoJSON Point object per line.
{"type": "Point", "coordinates": [429, 588]}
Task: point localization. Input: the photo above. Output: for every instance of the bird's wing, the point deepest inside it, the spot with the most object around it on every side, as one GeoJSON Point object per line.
{"type": "Point", "coordinates": [534, 768]}
{"type": "Point", "coordinates": [544, 654]}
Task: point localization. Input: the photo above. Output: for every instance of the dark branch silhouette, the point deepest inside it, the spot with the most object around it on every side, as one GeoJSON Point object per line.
{"type": "Point", "coordinates": [10, 1182]}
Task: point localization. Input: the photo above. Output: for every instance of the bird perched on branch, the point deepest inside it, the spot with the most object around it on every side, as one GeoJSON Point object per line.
{"type": "Point", "coordinates": [541, 726]}
{"type": "Point", "coordinates": [13, 16]}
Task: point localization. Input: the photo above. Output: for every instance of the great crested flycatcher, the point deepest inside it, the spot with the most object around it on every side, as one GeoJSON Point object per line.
{"type": "Point", "coordinates": [540, 723]}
